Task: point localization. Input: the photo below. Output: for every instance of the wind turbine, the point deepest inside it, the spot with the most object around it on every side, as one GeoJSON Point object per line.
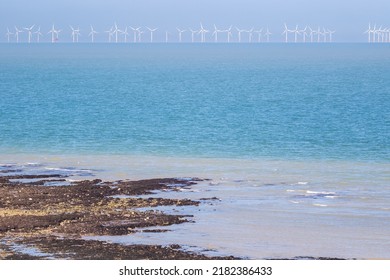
{"type": "Point", "coordinates": [286, 31]}
{"type": "Point", "coordinates": [319, 33]}
{"type": "Point", "coordinates": [369, 31]}
{"type": "Point", "coordinates": [125, 33]}
{"type": "Point", "coordinates": [17, 31]}
{"type": "Point", "coordinates": [324, 33]}
{"type": "Point", "coordinates": [259, 34]}
{"type": "Point", "coordinates": [267, 34]}
{"type": "Point", "coordinates": [203, 32]}
{"type": "Point", "coordinates": [92, 34]}
{"type": "Point", "coordinates": [57, 33]}
{"type": "Point", "coordinates": [239, 33]}
{"type": "Point", "coordinates": [180, 32]}
{"type": "Point", "coordinates": [193, 32]}
{"type": "Point", "coordinates": [229, 33]}
{"type": "Point", "coordinates": [74, 34]}
{"type": "Point", "coordinates": [304, 34]}
{"type": "Point", "coordinates": [166, 36]}
{"type": "Point", "coordinates": [52, 31]}
{"type": "Point", "coordinates": [312, 32]}
{"type": "Point", "coordinates": [38, 32]}
{"type": "Point", "coordinates": [140, 32]}
{"type": "Point", "coordinates": [135, 31]}
{"type": "Point", "coordinates": [8, 34]}
{"type": "Point", "coordinates": [297, 32]}
{"type": "Point", "coordinates": [215, 33]}
{"type": "Point", "coordinates": [116, 31]}
{"type": "Point", "coordinates": [29, 30]}
{"type": "Point", "coordinates": [330, 32]}
{"type": "Point", "coordinates": [151, 33]}
{"type": "Point", "coordinates": [250, 32]}
{"type": "Point", "coordinates": [110, 33]}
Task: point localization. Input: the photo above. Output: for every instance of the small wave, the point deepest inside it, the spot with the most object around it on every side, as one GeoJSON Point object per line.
{"type": "Point", "coordinates": [320, 205]}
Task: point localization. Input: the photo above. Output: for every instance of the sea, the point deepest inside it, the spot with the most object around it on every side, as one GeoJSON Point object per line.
{"type": "Point", "coordinates": [294, 139]}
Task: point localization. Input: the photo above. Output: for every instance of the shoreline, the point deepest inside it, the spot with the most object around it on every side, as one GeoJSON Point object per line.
{"type": "Point", "coordinates": [45, 222]}
{"type": "Point", "coordinates": [45, 206]}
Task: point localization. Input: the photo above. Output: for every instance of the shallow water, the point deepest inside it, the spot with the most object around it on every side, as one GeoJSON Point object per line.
{"type": "Point", "coordinates": [265, 208]}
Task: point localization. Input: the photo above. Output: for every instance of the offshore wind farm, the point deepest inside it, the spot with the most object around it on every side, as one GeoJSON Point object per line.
{"type": "Point", "coordinates": [144, 130]}
{"type": "Point", "coordinates": [230, 34]}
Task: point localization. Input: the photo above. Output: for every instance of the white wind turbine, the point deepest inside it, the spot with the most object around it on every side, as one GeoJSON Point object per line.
{"type": "Point", "coordinates": [17, 31]}
{"type": "Point", "coordinates": [29, 30]}
{"type": "Point", "coordinates": [151, 33]}
{"type": "Point", "coordinates": [312, 32]}
{"type": "Point", "coordinates": [267, 34]}
{"type": "Point", "coordinates": [286, 31]}
{"type": "Point", "coordinates": [382, 34]}
{"type": "Point", "coordinates": [369, 31]}
{"type": "Point", "coordinates": [181, 31]}
{"type": "Point", "coordinates": [325, 33]}
{"type": "Point", "coordinates": [319, 33]}
{"type": "Point", "coordinates": [215, 33]}
{"type": "Point", "coordinates": [203, 32]}
{"type": "Point", "coordinates": [73, 34]}
{"type": "Point", "coordinates": [57, 34]}
{"type": "Point", "coordinates": [259, 34]}
{"type": "Point", "coordinates": [116, 31]}
{"type": "Point", "coordinates": [297, 32]}
{"type": "Point", "coordinates": [110, 34]}
{"type": "Point", "coordinates": [125, 33]}
{"type": "Point", "coordinates": [52, 31]}
{"type": "Point", "coordinates": [330, 32]}
{"type": "Point", "coordinates": [166, 36]}
{"type": "Point", "coordinates": [135, 31]}
{"type": "Point", "coordinates": [228, 32]}
{"type": "Point", "coordinates": [193, 32]}
{"type": "Point", "coordinates": [8, 34]}
{"type": "Point", "coordinates": [92, 34]}
{"type": "Point", "coordinates": [38, 32]}
{"type": "Point", "coordinates": [304, 34]}
{"type": "Point", "coordinates": [239, 33]}
{"type": "Point", "coordinates": [250, 32]}
{"type": "Point", "coordinates": [140, 32]}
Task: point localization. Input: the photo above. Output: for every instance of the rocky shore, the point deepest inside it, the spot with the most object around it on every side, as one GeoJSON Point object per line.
{"type": "Point", "coordinates": [45, 217]}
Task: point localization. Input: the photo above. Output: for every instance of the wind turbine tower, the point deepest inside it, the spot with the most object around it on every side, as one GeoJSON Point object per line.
{"type": "Point", "coordinates": [151, 33]}
{"type": "Point", "coordinates": [259, 34]}
{"type": "Point", "coordinates": [125, 33]}
{"type": "Point", "coordinates": [297, 32]}
{"type": "Point", "coordinates": [193, 32]}
{"type": "Point", "coordinates": [29, 30]}
{"type": "Point", "coordinates": [215, 33]}
{"type": "Point", "coordinates": [8, 34]}
{"type": "Point", "coordinates": [181, 31]}
{"type": "Point", "coordinates": [38, 32]}
{"type": "Point", "coordinates": [17, 31]}
{"type": "Point", "coordinates": [267, 34]}
{"type": "Point", "coordinates": [286, 31]}
{"type": "Point", "coordinates": [92, 34]}
{"type": "Point", "coordinates": [203, 32]}
{"type": "Point", "coordinates": [239, 33]}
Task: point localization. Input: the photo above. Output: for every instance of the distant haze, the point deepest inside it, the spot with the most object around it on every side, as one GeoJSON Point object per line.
{"type": "Point", "coordinates": [348, 18]}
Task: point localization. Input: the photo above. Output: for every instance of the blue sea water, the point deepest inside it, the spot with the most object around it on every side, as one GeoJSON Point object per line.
{"type": "Point", "coordinates": [294, 137]}
{"type": "Point", "coordinates": [284, 101]}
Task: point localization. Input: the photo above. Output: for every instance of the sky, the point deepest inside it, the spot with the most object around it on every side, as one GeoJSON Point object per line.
{"type": "Point", "coordinates": [347, 17]}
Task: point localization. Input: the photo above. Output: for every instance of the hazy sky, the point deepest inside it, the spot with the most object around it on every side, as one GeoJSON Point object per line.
{"type": "Point", "coordinates": [349, 18]}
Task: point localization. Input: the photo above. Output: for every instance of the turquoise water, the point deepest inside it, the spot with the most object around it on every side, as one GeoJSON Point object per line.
{"type": "Point", "coordinates": [295, 138]}
{"type": "Point", "coordinates": [280, 101]}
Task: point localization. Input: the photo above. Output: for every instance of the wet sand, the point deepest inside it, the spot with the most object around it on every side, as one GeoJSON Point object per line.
{"type": "Point", "coordinates": [43, 218]}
